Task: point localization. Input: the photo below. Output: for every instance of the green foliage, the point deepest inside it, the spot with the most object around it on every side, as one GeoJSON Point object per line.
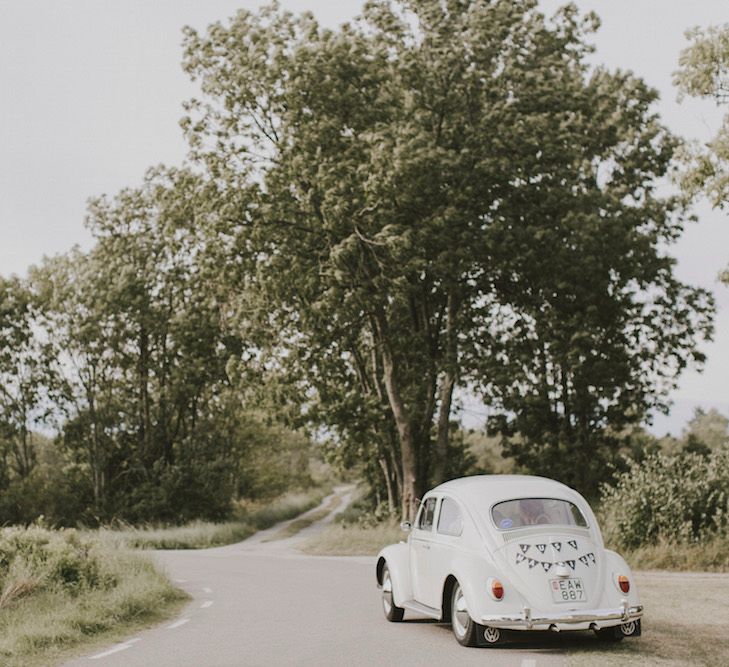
{"type": "Point", "coordinates": [442, 195]}
{"type": "Point", "coordinates": [680, 499]}
{"type": "Point", "coordinates": [709, 428]}
{"type": "Point", "coordinates": [25, 376]}
{"type": "Point", "coordinates": [58, 588]}
{"type": "Point", "coordinates": [704, 72]}
{"type": "Point", "coordinates": [251, 516]}
{"type": "Point", "coordinates": [591, 328]}
{"type": "Point", "coordinates": [439, 196]}
{"type": "Point", "coordinates": [134, 352]}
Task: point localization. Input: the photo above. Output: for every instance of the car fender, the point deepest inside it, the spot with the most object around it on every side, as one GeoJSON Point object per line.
{"type": "Point", "coordinates": [473, 571]}
{"type": "Point", "coordinates": [615, 565]}
{"type": "Point", "coordinates": [397, 557]}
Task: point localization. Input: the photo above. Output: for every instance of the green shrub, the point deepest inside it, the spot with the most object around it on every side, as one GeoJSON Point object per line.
{"type": "Point", "coordinates": [50, 560]}
{"type": "Point", "coordinates": [58, 588]}
{"type": "Point", "coordinates": [671, 499]}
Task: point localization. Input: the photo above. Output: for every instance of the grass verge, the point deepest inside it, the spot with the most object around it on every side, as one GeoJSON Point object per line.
{"type": "Point", "coordinates": [298, 525]}
{"type": "Point", "coordinates": [709, 556]}
{"type": "Point", "coordinates": [61, 590]}
{"type": "Point", "coordinates": [203, 534]}
{"type": "Point", "coordinates": [342, 539]}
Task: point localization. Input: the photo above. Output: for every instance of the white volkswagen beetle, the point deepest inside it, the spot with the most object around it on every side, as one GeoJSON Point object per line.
{"type": "Point", "coordinates": [495, 553]}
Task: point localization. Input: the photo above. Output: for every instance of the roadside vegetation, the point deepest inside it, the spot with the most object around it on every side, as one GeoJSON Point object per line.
{"type": "Point", "coordinates": [341, 539]}
{"type": "Point", "coordinates": [62, 589]}
{"type": "Point", "coordinates": [296, 526]}
{"type": "Point", "coordinates": [671, 511]}
{"type": "Point", "coordinates": [358, 530]}
{"type": "Point", "coordinates": [252, 516]}
{"type": "Point", "coordinates": [685, 624]}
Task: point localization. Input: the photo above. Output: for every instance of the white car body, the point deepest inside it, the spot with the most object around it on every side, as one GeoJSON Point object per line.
{"type": "Point", "coordinates": [533, 563]}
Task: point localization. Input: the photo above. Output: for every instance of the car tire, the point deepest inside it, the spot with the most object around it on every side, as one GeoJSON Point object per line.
{"type": "Point", "coordinates": [393, 613]}
{"type": "Point", "coordinates": [611, 634]}
{"type": "Point", "coordinates": [464, 627]}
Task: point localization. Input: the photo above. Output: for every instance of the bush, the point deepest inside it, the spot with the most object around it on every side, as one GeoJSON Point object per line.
{"type": "Point", "coordinates": [39, 559]}
{"type": "Point", "coordinates": [59, 588]}
{"type": "Point", "coordinates": [671, 499]}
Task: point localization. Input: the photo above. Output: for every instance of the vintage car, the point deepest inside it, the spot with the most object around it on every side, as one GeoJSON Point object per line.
{"type": "Point", "coordinates": [492, 554]}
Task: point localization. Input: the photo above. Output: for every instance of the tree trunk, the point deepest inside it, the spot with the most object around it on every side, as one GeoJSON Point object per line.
{"type": "Point", "coordinates": [407, 443]}
{"type": "Point", "coordinates": [446, 395]}
{"type": "Point", "coordinates": [388, 484]}
{"type": "Point", "coordinates": [145, 427]}
{"type": "Point", "coordinates": [444, 420]}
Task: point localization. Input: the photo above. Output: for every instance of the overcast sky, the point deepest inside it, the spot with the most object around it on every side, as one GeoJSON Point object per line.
{"type": "Point", "coordinates": [91, 92]}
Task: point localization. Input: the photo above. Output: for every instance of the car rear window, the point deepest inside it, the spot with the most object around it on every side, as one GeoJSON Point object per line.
{"type": "Point", "coordinates": [522, 512]}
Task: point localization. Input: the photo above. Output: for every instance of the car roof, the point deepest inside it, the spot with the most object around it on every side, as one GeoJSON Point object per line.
{"type": "Point", "coordinates": [480, 490]}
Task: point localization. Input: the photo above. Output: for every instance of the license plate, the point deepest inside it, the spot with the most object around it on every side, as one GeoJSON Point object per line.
{"type": "Point", "coordinates": [568, 590]}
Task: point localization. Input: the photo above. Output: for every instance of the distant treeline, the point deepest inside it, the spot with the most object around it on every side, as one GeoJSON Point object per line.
{"type": "Point", "coordinates": [440, 197]}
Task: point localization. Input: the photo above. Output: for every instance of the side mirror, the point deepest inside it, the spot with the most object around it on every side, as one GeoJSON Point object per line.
{"type": "Point", "coordinates": [406, 526]}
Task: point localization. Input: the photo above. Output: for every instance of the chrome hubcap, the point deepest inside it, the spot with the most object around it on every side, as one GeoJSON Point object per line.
{"type": "Point", "coordinates": [628, 628]}
{"type": "Point", "coordinates": [459, 613]}
{"type": "Point", "coordinates": [387, 592]}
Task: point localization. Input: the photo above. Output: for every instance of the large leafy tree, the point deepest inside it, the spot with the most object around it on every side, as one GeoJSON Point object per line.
{"type": "Point", "coordinates": [592, 327]}
{"type": "Point", "coordinates": [439, 195]}
{"type": "Point", "coordinates": [704, 72]}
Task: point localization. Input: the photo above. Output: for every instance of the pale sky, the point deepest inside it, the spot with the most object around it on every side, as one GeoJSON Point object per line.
{"type": "Point", "coordinates": [91, 93]}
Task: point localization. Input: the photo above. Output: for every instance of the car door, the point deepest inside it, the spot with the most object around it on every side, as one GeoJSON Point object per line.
{"type": "Point", "coordinates": [446, 541]}
{"type": "Point", "coordinates": [421, 542]}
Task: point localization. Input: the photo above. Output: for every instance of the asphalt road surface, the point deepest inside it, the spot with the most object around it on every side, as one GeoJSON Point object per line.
{"type": "Point", "coordinates": [266, 603]}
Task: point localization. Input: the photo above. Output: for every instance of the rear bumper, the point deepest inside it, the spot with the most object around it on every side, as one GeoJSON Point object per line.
{"type": "Point", "coordinates": [526, 620]}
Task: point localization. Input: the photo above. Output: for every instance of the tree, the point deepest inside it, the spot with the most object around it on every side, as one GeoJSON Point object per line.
{"type": "Point", "coordinates": [704, 72]}
{"type": "Point", "coordinates": [402, 190]}
{"type": "Point", "coordinates": [25, 374]}
{"type": "Point", "coordinates": [592, 328]}
{"type": "Point", "coordinates": [710, 428]}
{"type": "Point", "coordinates": [137, 327]}
{"type": "Point", "coordinates": [374, 163]}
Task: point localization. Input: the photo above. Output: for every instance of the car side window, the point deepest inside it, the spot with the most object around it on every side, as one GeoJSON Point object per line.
{"type": "Point", "coordinates": [450, 521]}
{"type": "Point", "coordinates": [425, 520]}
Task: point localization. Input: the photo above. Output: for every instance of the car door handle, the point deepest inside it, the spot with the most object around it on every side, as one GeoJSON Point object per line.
{"type": "Point", "coordinates": [426, 546]}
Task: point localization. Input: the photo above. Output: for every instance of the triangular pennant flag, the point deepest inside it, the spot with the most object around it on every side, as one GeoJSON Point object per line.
{"type": "Point", "coordinates": [541, 548]}
{"type": "Point", "coordinates": [547, 566]}
{"type": "Point", "coordinates": [520, 558]}
{"type": "Point", "coordinates": [557, 546]}
{"type": "Point", "coordinates": [524, 547]}
{"type": "Point", "coordinates": [571, 563]}
{"type": "Point", "coordinates": [591, 556]}
{"type": "Point", "coordinates": [532, 563]}
{"type": "Point", "coordinates": [572, 543]}
{"type": "Point", "coordinates": [583, 560]}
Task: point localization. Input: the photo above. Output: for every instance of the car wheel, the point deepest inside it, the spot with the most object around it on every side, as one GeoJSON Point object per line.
{"type": "Point", "coordinates": [392, 612]}
{"type": "Point", "coordinates": [464, 627]}
{"type": "Point", "coordinates": [611, 634]}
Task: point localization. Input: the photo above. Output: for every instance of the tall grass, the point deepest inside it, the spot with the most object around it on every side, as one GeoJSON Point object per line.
{"type": "Point", "coordinates": [251, 517]}
{"type": "Point", "coordinates": [59, 589]}
{"type": "Point", "coordinates": [296, 526]}
{"type": "Point", "coordinates": [341, 539]}
{"type": "Point", "coordinates": [711, 555]}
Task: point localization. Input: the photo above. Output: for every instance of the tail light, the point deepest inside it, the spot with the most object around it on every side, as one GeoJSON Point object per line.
{"type": "Point", "coordinates": [624, 583]}
{"type": "Point", "coordinates": [496, 588]}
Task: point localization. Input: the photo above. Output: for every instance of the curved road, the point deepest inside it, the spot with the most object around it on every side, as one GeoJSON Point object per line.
{"type": "Point", "coordinates": [266, 603]}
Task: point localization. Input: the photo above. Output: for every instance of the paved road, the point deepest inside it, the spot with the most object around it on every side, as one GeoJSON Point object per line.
{"type": "Point", "coordinates": [265, 603]}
